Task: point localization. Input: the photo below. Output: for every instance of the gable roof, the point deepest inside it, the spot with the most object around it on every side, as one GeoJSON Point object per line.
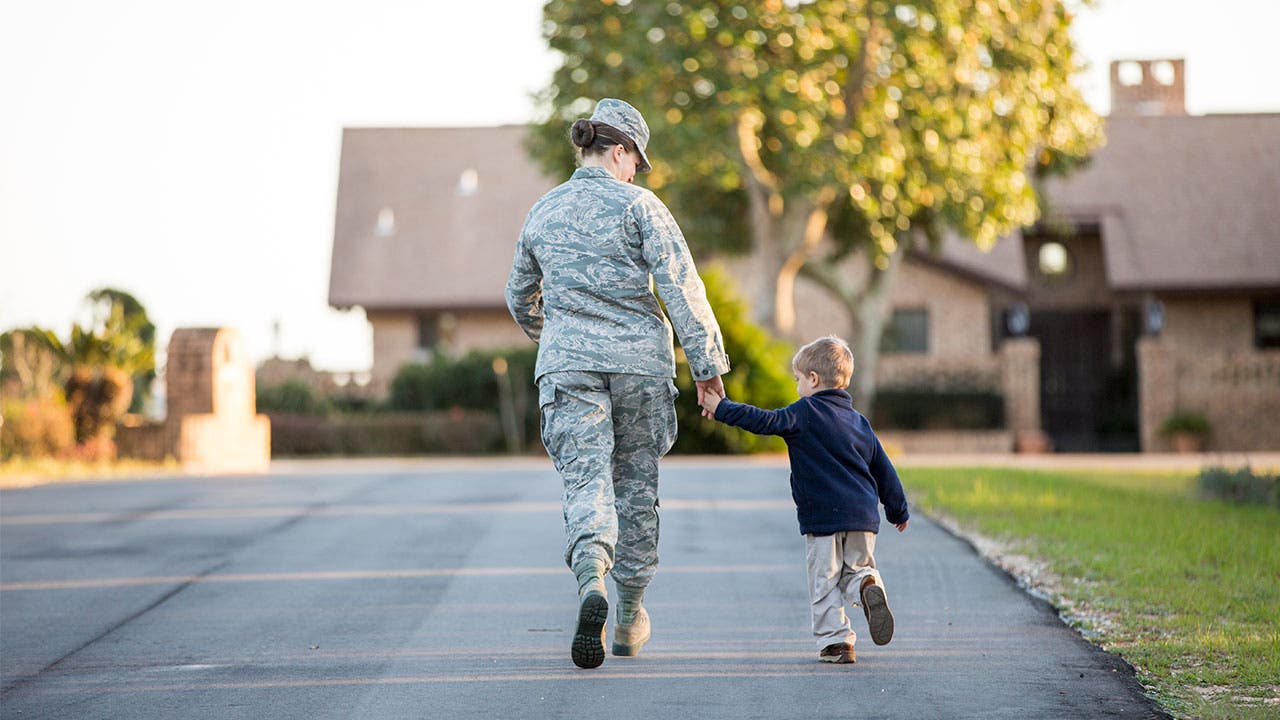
{"type": "Point", "coordinates": [1003, 264]}
{"type": "Point", "coordinates": [407, 232]}
{"type": "Point", "coordinates": [1184, 202]}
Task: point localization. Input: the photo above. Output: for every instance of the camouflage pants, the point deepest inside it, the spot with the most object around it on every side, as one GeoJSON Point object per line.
{"type": "Point", "coordinates": [605, 432]}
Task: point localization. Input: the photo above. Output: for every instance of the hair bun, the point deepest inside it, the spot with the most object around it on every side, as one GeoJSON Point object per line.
{"type": "Point", "coordinates": [583, 133]}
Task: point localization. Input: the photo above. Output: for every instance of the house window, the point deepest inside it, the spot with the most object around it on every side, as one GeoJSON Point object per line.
{"type": "Point", "coordinates": [1053, 260]}
{"type": "Point", "coordinates": [386, 226]}
{"type": "Point", "coordinates": [1266, 324]}
{"type": "Point", "coordinates": [468, 182]}
{"type": "Point", "coordinates": [428, 331]}
{"type": "Point", "coordinates": [907, 332]}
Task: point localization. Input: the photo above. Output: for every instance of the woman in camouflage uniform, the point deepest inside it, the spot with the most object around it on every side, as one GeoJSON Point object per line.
{"type": "Point", "coordinates": [582, 286]}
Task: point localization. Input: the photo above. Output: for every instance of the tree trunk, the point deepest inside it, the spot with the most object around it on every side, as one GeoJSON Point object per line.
{"type": "Point", "coordinates": [785, 230]}
{"type": "Point", "coordinates": [865, 300]}
{"type": "Point", "coordinates": [869, 320]}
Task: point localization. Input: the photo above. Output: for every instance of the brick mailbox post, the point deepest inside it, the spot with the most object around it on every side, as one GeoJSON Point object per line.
{"type": "Point", "coordinates": [212, 421]}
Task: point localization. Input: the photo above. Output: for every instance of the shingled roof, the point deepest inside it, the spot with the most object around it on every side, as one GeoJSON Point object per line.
{"type": "Point", "coordinates": [428, 217]}
{"type": "Point", "coordinates": [1185, 202]}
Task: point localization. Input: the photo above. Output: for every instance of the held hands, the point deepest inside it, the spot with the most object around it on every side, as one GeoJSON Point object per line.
{"type": "Point", "coordinates": [710, 393]}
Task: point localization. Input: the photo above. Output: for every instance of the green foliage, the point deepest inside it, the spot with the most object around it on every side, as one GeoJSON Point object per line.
{"type": "Point", "coordinates": [470, 382]}
{"type": "Point", "coordinates": [1188, 586]}
{"type": "Point", "coordinates": [450, 432]}
{"type": "Point", "coordinates": [1186, 422]}
{"type": "Point", "coordinates": [107, 304]}
{"type": "Point", "coordinates": [98, 398]}
{"type": "Point", "coordinates": [1239, 486]}
{"type": "Point", "coordinates": [28, 367]}
{"type": "Point", "coordinates": [292, 396]}
{"type": "Point", "coordinates": [899, 408]}
{"type": "Point", "coordinates": [98, 367]}
{"type": "Point", "coordinates": [35, 427]}
{"type": "Point", "coordinates": [921, 116]}
{"type": "Point", "coordinates": [761, 375]}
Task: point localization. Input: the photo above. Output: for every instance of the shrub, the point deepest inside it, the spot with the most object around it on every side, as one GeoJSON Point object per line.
{"type": "Point", "coordinates": [1239, 486]}
{"type": "Point", "coordinates": [470, 382]}
{"type": "Point", "coordinates": [291, 396]}
{"type": "Point", "coordinates": [39, 427]}
{"type": "Point", "coordinates": [1185, 422]}
{"type": "Point", "coordinates": [391, 433]}
{"type": "Point", "coordinates": [760, 375]}
{"type": "Point", "coordinates": [924, 408]}
{"type": "Point", "coordinates": [98, 398]}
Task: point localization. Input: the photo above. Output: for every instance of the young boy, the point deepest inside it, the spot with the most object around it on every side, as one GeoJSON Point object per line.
{"type": "Point", "coordinates": [839, 475]}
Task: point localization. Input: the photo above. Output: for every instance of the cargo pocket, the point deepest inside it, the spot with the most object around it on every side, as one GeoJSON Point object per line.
{"type": "Point", "coordinates": [672, 424]}
{"type": "Point", "coordinates": [557, 428]}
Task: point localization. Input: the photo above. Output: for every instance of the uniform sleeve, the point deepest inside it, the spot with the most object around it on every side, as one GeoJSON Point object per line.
{"type": "Point", "coordinates": [524, 289]}
{"type": "Point", "coordinates": [783, 422]}
{"type": "Point", "coordinates": [679, 286]}
{"type": "Point", "coordinates": [888, 486]}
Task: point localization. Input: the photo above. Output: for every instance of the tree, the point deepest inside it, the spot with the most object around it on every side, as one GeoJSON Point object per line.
{"type": "Point", "coordinates": [761, 374]}
{"type": "Point", "coordinates": [830, 128]}
{"type": "Point", "coordinates": [99, 361]}
{"type": "Point", "coordinates": [104, 303]}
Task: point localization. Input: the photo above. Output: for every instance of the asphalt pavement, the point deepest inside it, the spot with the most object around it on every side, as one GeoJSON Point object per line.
{"type": "Point", "coordinates": [436, 589]}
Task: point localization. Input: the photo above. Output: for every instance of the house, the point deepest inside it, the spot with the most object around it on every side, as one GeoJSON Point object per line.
{"type": "Point", "coordinates": [1152, 286]}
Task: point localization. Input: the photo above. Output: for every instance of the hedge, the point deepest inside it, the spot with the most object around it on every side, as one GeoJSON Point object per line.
{"type": "Point", "coordinates": [452, 432]}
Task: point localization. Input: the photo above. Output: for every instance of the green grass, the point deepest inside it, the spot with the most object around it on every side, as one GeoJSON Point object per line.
{"type": "Point", "coordinates": [1190, 587]}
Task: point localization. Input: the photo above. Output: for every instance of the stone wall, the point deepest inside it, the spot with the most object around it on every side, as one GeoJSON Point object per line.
{"type": "Point", "coordinates": [395, 342]}
{"type": "Point", "coordinates": [1238, 391]}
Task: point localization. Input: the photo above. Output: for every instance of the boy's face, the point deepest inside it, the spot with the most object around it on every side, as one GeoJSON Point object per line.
{"type": "Point", "coordinates": [807, 383]}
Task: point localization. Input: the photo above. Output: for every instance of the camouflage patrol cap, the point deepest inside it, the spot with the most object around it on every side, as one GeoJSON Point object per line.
{"type": "Point", "coordinates": [621, 115]}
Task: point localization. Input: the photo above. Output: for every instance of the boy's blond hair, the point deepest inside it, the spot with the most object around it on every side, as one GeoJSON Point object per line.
{"type": "Point", "coordinates": [828, 356]}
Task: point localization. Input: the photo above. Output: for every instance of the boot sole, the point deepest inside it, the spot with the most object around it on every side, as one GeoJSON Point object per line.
{"type": "Point", "coordinates": [587, 650]}
{"type": "Point", "coordinates": [879, 619]}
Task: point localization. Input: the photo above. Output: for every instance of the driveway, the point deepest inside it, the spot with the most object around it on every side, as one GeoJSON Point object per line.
{"type": "Point", "coordinates": [435, 589]}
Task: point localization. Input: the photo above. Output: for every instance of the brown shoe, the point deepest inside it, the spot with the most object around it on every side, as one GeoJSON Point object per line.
{"type": "Point", "coordinates": [876, 607]}
{"type": "Point", "coordinates": [838, 653]}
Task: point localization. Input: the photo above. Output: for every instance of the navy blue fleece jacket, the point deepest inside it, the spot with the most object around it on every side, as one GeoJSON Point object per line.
{"type": "Point", "coordinates": [839, 472]}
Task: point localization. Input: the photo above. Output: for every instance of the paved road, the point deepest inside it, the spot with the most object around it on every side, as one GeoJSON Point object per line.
{"type": "Point", "coordinates": [434, 590]}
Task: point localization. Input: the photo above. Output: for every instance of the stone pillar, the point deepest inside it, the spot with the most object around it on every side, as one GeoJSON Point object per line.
{"type": "Point", "coordinates": [1020, 383]}
{"type": "Point", "coordinates": [212, 423]}
{"type": "Point", "coordinates": [1157, 391]}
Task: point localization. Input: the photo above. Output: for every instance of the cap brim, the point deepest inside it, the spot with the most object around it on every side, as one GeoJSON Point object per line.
{"type": "Point", "coordinates": [644, 165]}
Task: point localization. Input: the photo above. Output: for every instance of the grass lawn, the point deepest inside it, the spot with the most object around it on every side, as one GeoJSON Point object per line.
{"type": "Point", "coordinates": [1187, 590]}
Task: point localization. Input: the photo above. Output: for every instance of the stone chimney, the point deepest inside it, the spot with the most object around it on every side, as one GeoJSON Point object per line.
{"type": "Point", "coordinates": [1147, 87]}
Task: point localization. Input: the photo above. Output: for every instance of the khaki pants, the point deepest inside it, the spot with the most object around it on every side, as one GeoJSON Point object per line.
{"type": "Point", "coordinates": [837, 565]}
{"type": "Point", "coordinates": [605, 432]}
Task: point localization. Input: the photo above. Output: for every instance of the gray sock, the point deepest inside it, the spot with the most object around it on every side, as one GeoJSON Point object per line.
{"type": "Point", "coordinates": [629, 599]}
{"type": "Point", "coordinates": [590, 575]}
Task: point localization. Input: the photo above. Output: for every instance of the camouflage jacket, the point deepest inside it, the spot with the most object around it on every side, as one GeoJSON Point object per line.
{"type": "Point", "coordinates": [580, 283]}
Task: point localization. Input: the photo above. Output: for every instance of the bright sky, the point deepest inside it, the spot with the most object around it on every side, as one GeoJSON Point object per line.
{"type": "Point", "coordinates": [188, 152]}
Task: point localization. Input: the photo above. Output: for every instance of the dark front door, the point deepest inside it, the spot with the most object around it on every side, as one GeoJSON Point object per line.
{"type": "Point", "coordinates": [1075, 370]}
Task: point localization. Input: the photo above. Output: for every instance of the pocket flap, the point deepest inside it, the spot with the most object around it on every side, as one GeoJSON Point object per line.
{"type": "Point", "coordinates": [546, 394]}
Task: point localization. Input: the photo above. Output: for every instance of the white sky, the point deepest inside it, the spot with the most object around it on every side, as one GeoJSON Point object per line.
{"type": "Point", "coordinates": [188, 152]}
